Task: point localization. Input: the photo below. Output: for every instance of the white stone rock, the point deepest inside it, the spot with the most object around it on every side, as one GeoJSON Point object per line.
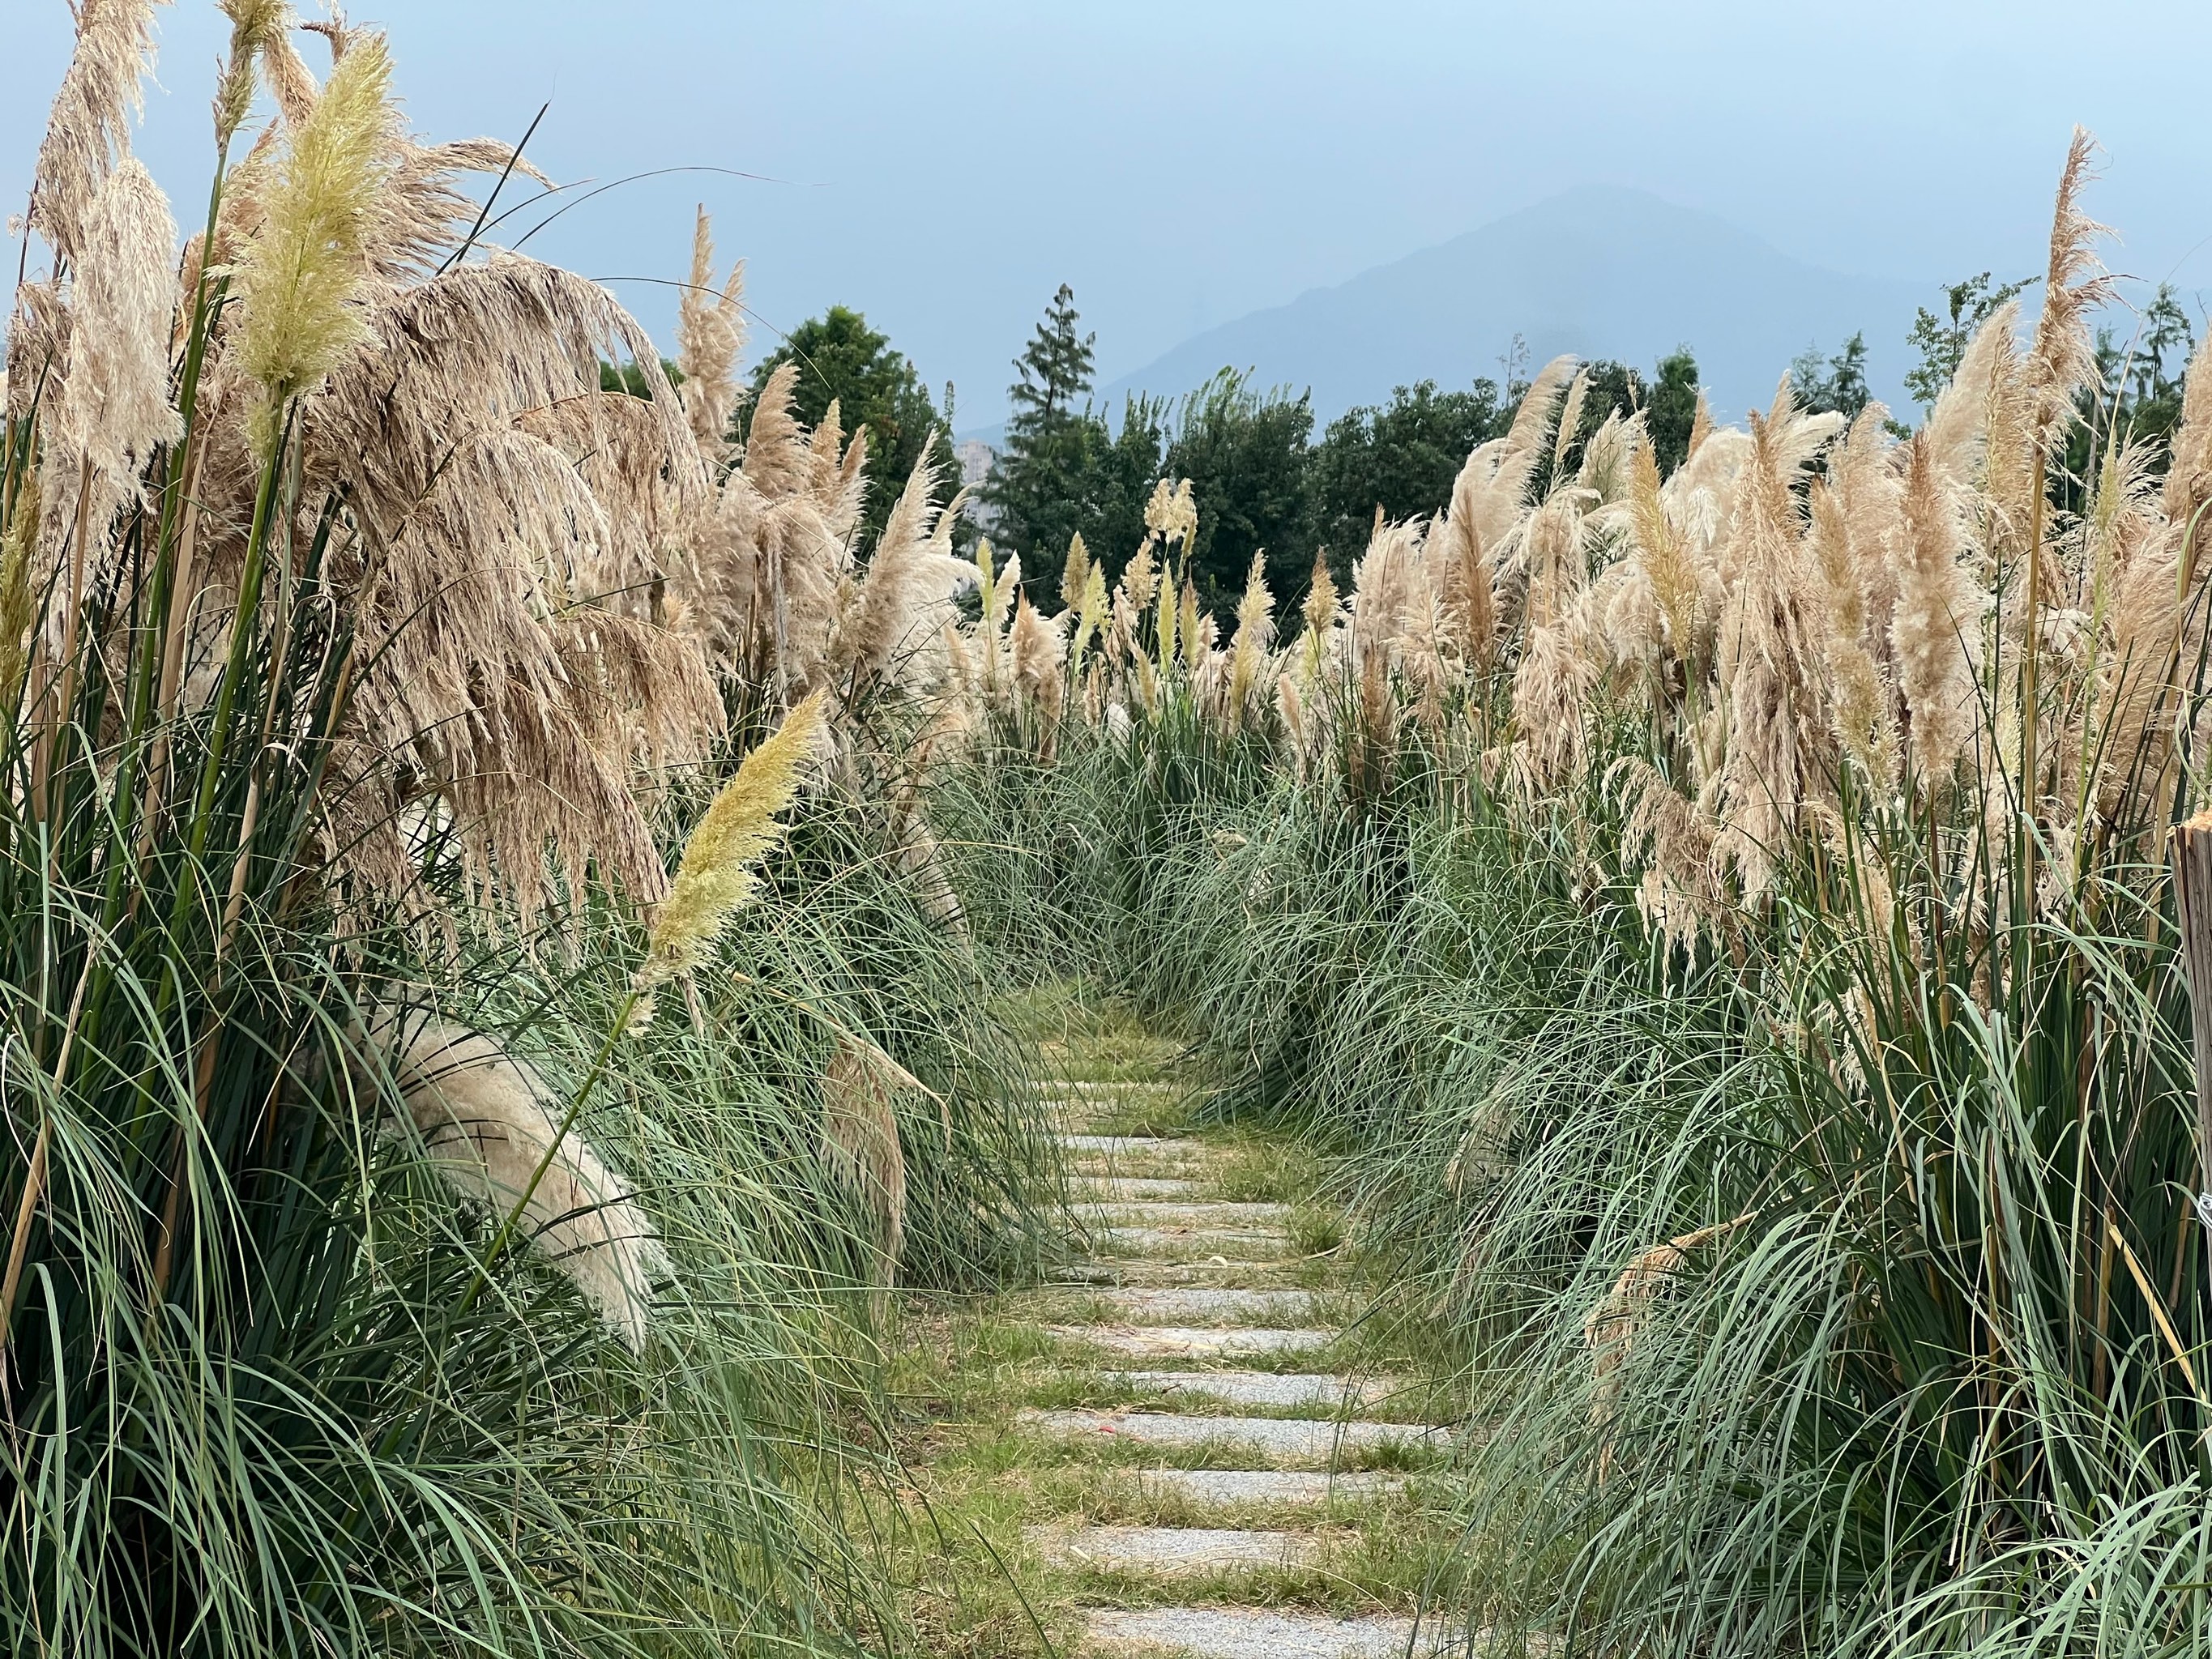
{"type": "Point", "coordinates": [1310, 1389]}
{"type": "Point", "coordinates": [1285, 1440]}
{"type": "Point", "coordinates": [1199, 1305]}
{"type": "Point", "coordinates": [1302, 1486]}
{"type": "Point", "coordinates": [1184, 1342]}
{"type": "Point", "coordinates": [1177, 1550]}
{"type": "Point", "coordinates": [1261, 1633]}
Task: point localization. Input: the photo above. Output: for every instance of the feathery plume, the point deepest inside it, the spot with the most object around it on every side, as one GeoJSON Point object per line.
{"type": "Point", "coordinates": [1140, 578]}
{"type": "Point", "coordinates": [2188, 475]}
{"type": "Point", "coordinates": [301, 279]}
{"type": "Point", "coordinates": [1533, 419]}
{"type": "Point", "coordinates": [1255, 632]}
{"type": "Point", "coordinates": [1612, 1325]}
{"type": "Point", "coordinates": [1958, 424]}
{"type": "Point", "coordinates": [1320, 612]}
{"type": "Point", "coordinates": [89, 128]}
{"type": "Point", "coordinates": [1767, 650]}
{"type": "Point", "coordinates": [1609, 456]}
{"type": "Point", "coordinates": [1701, 425]}
{"type": "Point", "coordinates": [710, 332]}
{"type": "Point", "coordinates": [999, 594]}
{"type": "Point", "coordinates": [1170, 515]}
{"type": "Point", "coordinates": [1033, 648]}
{"type": "Point", "coordinates": [485, 1122]}
{"type": "Point", "coordinates": [1551, 686]}
{"type": "Point", "coordinates": [1663, 553]}
{"type": "Point", "coordinates": [2063, 358]}
{"type": "Point", "coordinates": [1859, 702]}
{"type": "Point", "coordinates": [1091, 612]}
{"type": "Point", "coordinates": [1674, 838]}
{"type": "Point", "coordinates": [254, 25]}
{"type": "Point", "coordinates": [1075, 573]}
{"type": "Point", "coordinates": [1571, 422]}
{"type": "Point", "coordinates": [1935, 632]}
{"type": "Point", "coordinates": [716, 875]}
{"type": "Point", "coordinates": [1164, 613]}
{"type": "Point", "coordinates": [114, 405]}
{"type": "Point", "coordinates": [1555, 558]}
{"type": "Point", "coordinates": [907, 595]}
{"type": "Point", "coordinates": [1468, 587]}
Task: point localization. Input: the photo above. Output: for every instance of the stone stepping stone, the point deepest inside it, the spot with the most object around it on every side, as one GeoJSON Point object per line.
{"type": "Point", "coordinates": [1258, 1633]}
{"type": "Point", "coordinates": [1242, 1218]}
{"type": "Point", "coordinates": [1123, 1189]}
{"type": "Point", "coordinates": [1287, 1487]}
{"type": "Point", "coordinates": [1194, 1245]}
{"type": "Point", "coordinates": [1177, 1551]}
{"type": "Point", "coordinates": [1196, 1304]}
{"type": "Point", "coordinates": [1288, 1439]}
{"type": "Point", "coordinates": [1265, 1388]}
{"type": "Point", "coordinates": [1156, 1273]}
{"type": "Point", "coordinates": [1176, 1341]}
{"type": "Point", "coordinates": [1131, 1145]}
{"type": "Point", "coordinates": [1116, 1152]}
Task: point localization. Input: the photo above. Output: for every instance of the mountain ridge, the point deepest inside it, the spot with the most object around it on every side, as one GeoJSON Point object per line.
{"type": "Point", "coordinates": [1601, 272]}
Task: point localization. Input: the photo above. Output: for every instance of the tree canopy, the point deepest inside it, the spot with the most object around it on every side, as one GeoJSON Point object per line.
{"type": "Point", "coordinates": [840, 358]}
{"type": "Point", "coordinates": [1671, 413]}
{"type": "Point", "coordinates": [1940, 338]}
{"type": "Point", "coordinates": [1045, 487]}
{"type": "Point", "coordinates": [1837, 385]}
{"type": "Point", "coordinates": [1263, 481]}
{"type": "Point", "coordinates": [1401, 455]}
{"type": "Point", "coordinates": [1246, 454]}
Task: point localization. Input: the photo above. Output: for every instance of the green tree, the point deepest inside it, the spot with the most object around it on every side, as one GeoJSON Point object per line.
{"type": "Point", "coordinates": [1940, 340]}
{"type": "Point", "coordinates": [1672, 411]}
{"type": "Point", "coordinates": [1246, 454]}
{"type": "Point", "coordinates": [1119, 466]}
{"type": "Point", "coordinates": [1402, 457]}
{"type": "Point", "coordinates": [1036, 488]}
{"type": "Point", "coordinates": [1836, 385]}
{"type": "Point", "coordinates": [627, 376]}
{"type": "Point", "coordinates": [840, 358]}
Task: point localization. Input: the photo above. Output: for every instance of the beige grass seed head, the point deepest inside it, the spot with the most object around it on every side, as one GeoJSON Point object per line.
{"type": "Point", "coordinates": [716, 876]}
{"type": "Point", "coordinates": [301, 281]}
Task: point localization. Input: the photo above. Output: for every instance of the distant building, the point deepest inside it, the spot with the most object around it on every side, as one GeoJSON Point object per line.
{"type": "Point", "coordinates": [976, 459]}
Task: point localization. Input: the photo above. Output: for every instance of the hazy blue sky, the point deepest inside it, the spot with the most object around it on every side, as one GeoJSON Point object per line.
{"type": "Point", "coordinates": [951, 162]}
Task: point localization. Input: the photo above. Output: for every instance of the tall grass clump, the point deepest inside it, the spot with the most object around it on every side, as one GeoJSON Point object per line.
{"type": "Point", "coordinates": [378, 1279]}
{"type": "Point", "coordinates": [1726, 914]}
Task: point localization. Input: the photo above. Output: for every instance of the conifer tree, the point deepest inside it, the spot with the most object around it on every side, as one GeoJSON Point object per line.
{"type": "Point", "coordinates": [1037, 487]}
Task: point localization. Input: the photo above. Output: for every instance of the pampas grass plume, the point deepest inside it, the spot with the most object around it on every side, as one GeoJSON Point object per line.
{"type": "Point", "coordinates": [1255, 632]}
{"type": "Point", "coordinates": [300, 279]}
{"type": "Point", "coordinates": [1171, 515]}
{"type": "Point", "coordinates": [90, 125]}
{"type": "Point", "coordinates": [254, 24]}
{"type": "Point", "coordinates": [710, 333]}
{"type": "Point", "coordinates": [716, 876]}
{"type": "Point", "coordinates": [1091, 613]}
{"type": "Point", "coordinates": [114, 404]}
{"type": "Point", "coordinates": [1075, 573]}
{"type": "Point", "coordinates": [484, 1119]}
{"type": "Point", "coordinates": [1666, 559]}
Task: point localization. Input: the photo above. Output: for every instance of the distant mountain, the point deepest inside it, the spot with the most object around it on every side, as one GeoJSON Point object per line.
{"type": "Point", "coordinates": [1599, 272]}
